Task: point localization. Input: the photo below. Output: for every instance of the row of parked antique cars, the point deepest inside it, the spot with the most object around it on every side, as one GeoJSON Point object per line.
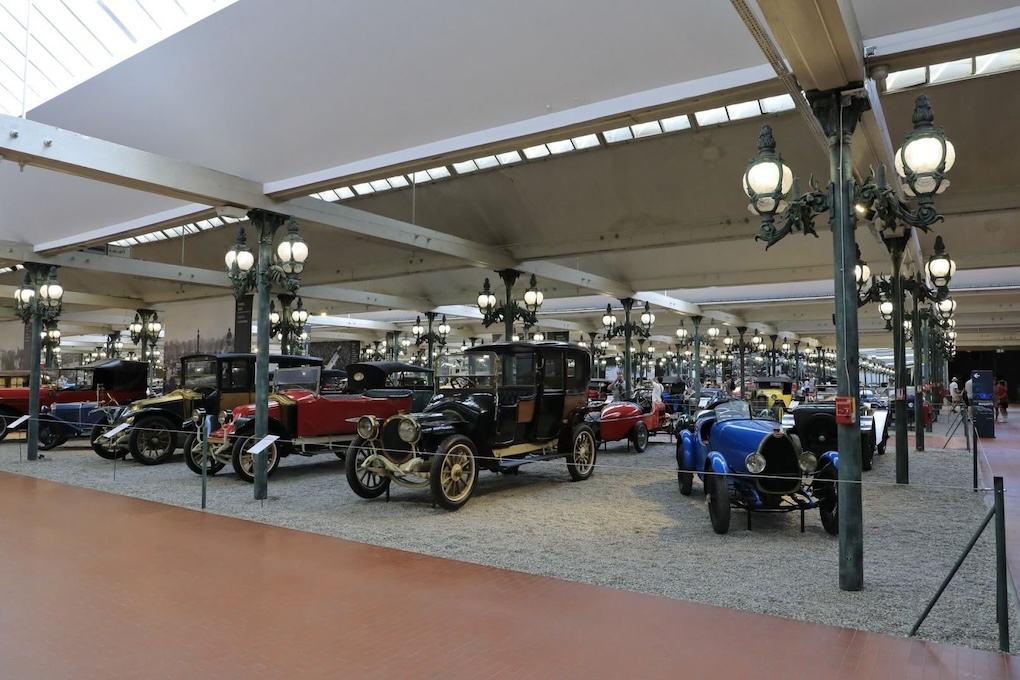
{"type": "Point", "coordinates": [512, 403]}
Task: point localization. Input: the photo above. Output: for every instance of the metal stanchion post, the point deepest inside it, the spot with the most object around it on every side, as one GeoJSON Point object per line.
{"type": "Point", "coordinates": [204, 430]}
{"type": "Point", "coordinates": [1001, 605]}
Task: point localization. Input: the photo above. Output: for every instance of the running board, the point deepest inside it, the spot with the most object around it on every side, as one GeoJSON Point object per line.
{"type": "Point", "coordinates": [509, 463]}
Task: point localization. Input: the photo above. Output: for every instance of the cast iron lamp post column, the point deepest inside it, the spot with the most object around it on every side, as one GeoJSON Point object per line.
{"type": "Point", "coordinates": [510, 310]}
{"type": "Point", "coordinates": [38, 300]}
{"type": "Point", "coordinates": [627, 330]}
{"type": "Point", "coordinates": [922, 162]}
{"type": "Point", "coordinates": [742, 330]}
{"type": "Point", "coordinates": [282, 269]}
{"type": "Point", "coordinates": [421, 335]}
{"type": "Point", "coordinates": [145, 331]}
{"type": "Point", "coordinates": [50, 338]}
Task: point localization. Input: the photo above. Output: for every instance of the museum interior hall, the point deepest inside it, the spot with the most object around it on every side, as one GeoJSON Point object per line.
{"type": "Point", "coordinates": [705, 191]}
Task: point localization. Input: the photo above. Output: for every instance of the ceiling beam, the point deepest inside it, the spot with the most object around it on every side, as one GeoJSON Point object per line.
{"type": "Point", "coordinates": [558, 272]}
{"type": "Point", "coordinates": [86, 299]}
{"type": "Point", "coordinates": [360, 297]}
{"type": "Point", "coordinates": [349, 322]}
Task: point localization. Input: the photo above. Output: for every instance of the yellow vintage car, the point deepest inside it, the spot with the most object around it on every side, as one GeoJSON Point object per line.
{"type": "Point", "coordinates": [772, 393]}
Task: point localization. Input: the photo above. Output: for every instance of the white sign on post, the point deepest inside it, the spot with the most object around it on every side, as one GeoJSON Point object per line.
{"type": "Point", "coordinates": [263, 444]}
{"type": "Point", "coordinates": [17, 423]}
{"type": "Point", "coordinates": [117, 430]}
{"type": "Point", "coordinates": [703, 403]}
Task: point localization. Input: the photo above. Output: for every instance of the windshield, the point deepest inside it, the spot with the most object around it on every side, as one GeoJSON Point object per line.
{"type": "Point", "coordinates": [199, 373]}
{"type": "Point", "coordinates": [303, 378]}
{"type": "Point", "coordinates": [732, 410]}
{"type": "Point", "coordinates": [474, 369]}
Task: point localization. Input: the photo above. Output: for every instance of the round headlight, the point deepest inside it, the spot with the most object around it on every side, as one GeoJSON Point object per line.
{"type": "Point", "coordinates": [226, 417]}
{"type": "Point", "coordinates": [808, 462]}
{"type": "Point", "coordinates": [368, 426]}
{"type": "Point", "coordinates": [755, 463]}
{"type": "Point", "coordinates": [197, 415]}
{"type": "Point", "coordinates": [409, 430]}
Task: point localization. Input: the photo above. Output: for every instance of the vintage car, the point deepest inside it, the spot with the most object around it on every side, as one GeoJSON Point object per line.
{"type": "Point", "coordinates": [815, 425]}
{"type": "Point", "coordinates": [599, 389]}
{"type": "Point", "coordinates": [111, 381]}
{"type": "Point", "coordinates": [752, 464]}
{"type": "Point", "coordinates": [513, 403]}
{"type": "Point", "coordinates": [634, 420]}
{"type": "Point", "coordinates": [309, 422]}
{"type": "Point", "coordinates": [772, 393]}
{"type": "Point", "coordinates": [211, 382]}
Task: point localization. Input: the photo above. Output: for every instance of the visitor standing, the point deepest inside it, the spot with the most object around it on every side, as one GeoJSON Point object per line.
{"type": "Point", "coordinates": [618, 388]}
{"type": "Point", "coordinates": [656, 390]}
{"type": "Point", "coordinates": [1001, 400]}
{"type": "Point", "coordinates": [954, 395]}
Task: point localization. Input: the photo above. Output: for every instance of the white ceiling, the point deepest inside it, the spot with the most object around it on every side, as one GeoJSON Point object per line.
{"type": "Point", "coordinates": [289, 98]}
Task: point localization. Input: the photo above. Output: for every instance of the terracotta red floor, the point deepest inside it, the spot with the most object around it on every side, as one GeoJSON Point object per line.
{"type": "Point", "coordinates": [94, 585]}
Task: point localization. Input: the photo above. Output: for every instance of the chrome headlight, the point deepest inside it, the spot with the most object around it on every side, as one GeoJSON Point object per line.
{"type": "Point", "coordinates": [197, 415]}
{"type": "Point", "coordinates": [808, 462]}
{"type": "Point", "coordinates": [755, 463]}
{"type": "Point", "coordinates": [368, 427]}
{"type": "Point", "coordinates": [409, 430]}
{"type": "Point", "coordinates": [226, 417]}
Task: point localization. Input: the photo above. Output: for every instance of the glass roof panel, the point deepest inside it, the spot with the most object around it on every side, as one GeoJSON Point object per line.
{"type": "Point", "coordinates": [565, 145]}
{"type": "Point", "coordinates": [675, 123]}
{"type": "Point", "coordinates": [345, 192]}
{"type": "Point", "coordinates": [486, 162]}
{"type": "Point", "coordinates": [73, 40]}
{"type": "Point", "coordinates": [743, 110]}
{"type": "Point", "coordinates": [397, 181]}
{"type": "Point", "coordinates": [782, 102]}
{"type": "Point", "coordinates": [950, 70]}
{"type": "Point", "coordinates": [465, 167]}
{"type": "Point", "coordinates": [584, 142]}
{"type": "Point", "coordinates": [712, 116]}
{"type": "Point", "coordinates": [363, 188]}
{"type": "Point", "coordinates": [380, 185]}
{"type": "Point", "coordinates": [899, 80]}
{"type": "Point", "coordinates": [1000, 61]}
{"type": "Point", "coordinates": [618, 135]}
{"type": "Point", "coordinates": [646, 129]}
{"type": "Point", "coordinates": [439, 173]}
{"type": "Point", "coordinates": [539, 151]}
{"type": "Point", "coordinates": [508, 157]}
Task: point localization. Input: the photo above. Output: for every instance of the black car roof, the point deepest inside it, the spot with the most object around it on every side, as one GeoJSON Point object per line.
{"type": "Point", "coordinates": [114, 363]}
{"type": "Point", "coordinates": [387, 367]}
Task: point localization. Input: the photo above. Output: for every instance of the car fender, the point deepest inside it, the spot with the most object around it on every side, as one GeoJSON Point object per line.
{"type": "Point", "coordinates": [274, 427]}
{"type": "Point", "coordinates": [63, 424]}
{"type": "Point", "coordinates": [716, 463]}
{"type": "Point", "coordinates": [689, 457]}
{"type": "Point", "coordinates": [829, 458]}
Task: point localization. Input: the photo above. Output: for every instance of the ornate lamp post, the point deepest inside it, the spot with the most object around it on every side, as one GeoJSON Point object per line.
{"type": "Point", "coordinates": [433, 338]}
{"type": "Point", "coordinates": [288, 323]}
{"type": "Point", "coordinates": [38, 300]}
{"type": "Point", "coordinates": [922, 162]}
{"type": "Point", "coordinates": [50, 338]}
{"type": "Point", "coordinates": [114, 345]}
{"type": "Point", "coordinates": [281, 268]}
{"type": "Point", "coordinates": [145, 330]}
{"type": "Point", "coordinates": [509, 309]}
{"type": "Point", "coordinates": [627, 329]}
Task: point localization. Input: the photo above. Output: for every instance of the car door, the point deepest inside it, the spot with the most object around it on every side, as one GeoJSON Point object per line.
{"type": "Point", "coordinates": [551, 393]}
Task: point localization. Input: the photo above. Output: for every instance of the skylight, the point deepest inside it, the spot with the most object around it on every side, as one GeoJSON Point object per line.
{"type": "Point", "coordinates": [73, 40]}
{"type": "Point", "coordinates": [983, 65]}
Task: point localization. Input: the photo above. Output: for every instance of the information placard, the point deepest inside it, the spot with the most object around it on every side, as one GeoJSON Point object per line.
{"type": "Point", "coordinates": [263, 444]}
{"type": "Point", "coordinates": [117, 430]}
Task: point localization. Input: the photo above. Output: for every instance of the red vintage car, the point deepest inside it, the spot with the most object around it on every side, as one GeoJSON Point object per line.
{"type": "Point", "coordinates": [309, 422]}
{"type": "Point", "coordinates": [634, 420]}
{"type": "Point", "coordinates": [113, 381]}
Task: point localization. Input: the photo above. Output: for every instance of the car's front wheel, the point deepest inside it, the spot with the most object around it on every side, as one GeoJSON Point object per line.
{"type": "Point", "coordinates": [152, 441]}
{"type": "Point", "coordinates": [454, 472]}
{"type": "Point", "coordinates": [826, 490]}
{"type": "Point", "coordinates": [639, 437]}
{"type": "Point", "coordinates": [244, 462]}
{"type": "Point", "coordinates": [104, 447]}
{"type": "Point", "coordinates": [581, 459]}
{"type": "Point", "coordinates": [364, 483]}
{"type": "Point", "coordinates": [718, 502]}
{"type": "Point", "coordinates": [193, 457]}
{"type": "Point", "coordinates": [51, 435]}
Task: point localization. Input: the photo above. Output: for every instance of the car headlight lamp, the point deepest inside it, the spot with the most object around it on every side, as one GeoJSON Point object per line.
{"type": "Point", "coordinates": [755, 463]}
{"type": "Point", "coordinates": [409, 430]}
{"type": "Point", "coordinates": [808, 462]}
{"type": "Point", "coordinates": [197, 416]}
{"type": "Point", "coordinates": [227, 416]}
{"type": "Point", "coordinates": [368, 427]}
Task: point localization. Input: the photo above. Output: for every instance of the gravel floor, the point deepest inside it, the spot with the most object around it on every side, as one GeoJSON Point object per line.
{"type": "Point", "coordinates": [627, 527]}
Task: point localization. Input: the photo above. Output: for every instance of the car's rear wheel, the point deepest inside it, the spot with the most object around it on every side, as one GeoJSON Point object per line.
{"type": "Point", "coordinates": [6, 418]}
{"type": "Point", "coordinates": [827, 492]}
{"type": "Point", "coordinates": [51, 435]}
{"type": "Point", "coordinates": [364, 483]}
{"type": "Point", "coordinates": [718, 502]}
{"type": "Point", "coordinates": [193, 457]}
{"type": "Point", "coordinates": [103, 447]}
{"type": "Point", "coordinates": [152, 441]}
{"type": "Point", "coordinates": [639, 437]}
{"type": "Point", "coordinates": [581, 459]}
{"type": "Point", "coordinates": [454, 472]}
{"type": "Point", "coordinates": [244, 462]}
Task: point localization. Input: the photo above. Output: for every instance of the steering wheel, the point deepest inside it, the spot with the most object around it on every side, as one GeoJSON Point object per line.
{"type": "Point", "coordinates": [461, 382]}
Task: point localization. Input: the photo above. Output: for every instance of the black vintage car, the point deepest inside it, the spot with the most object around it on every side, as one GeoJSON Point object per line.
{"type": "Point", "coordinates": [208, 381]}
{"type": "Point", "coordinates": [815, 424]}
{"type": "Point", "coordinates": [513, 403]}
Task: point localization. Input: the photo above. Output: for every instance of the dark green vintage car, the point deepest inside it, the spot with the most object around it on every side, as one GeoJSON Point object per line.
{"type": "Point", "coordinates": [511, 403]}
{"type": "Point", "coordinates": [213, 382]}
